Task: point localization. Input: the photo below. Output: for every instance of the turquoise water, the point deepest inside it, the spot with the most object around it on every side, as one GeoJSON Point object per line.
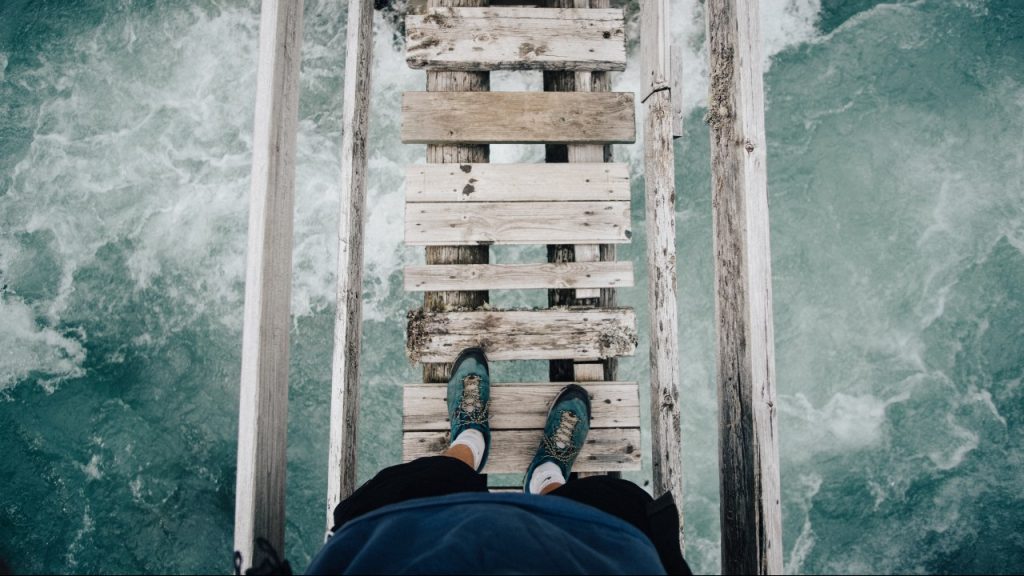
{"type": "Point", "coordinates": [896, 178]}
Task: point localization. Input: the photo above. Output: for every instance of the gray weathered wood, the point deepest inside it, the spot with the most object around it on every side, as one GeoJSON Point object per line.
{"type": "Point", "coordinates": [606, 449]}
{"type": "Point", "coordinates": [516, 182]}
{"type": "Point", "coordinates": [748, 433]}
{"type": "Point", "coordinates": [660, 223]}
{"type": "Point", "coordinates": [348, 325]}
{"type": "Point", "coordinates": [677, 90]}
{"type": "Point", "coordinates": [470, 223]}
{"type": "Point", "coordinates": [518, 276]}
{"type": "Point", "coordinates": [263, 398]}
{"type": "Point", "coordinates": [455, 81]}
{"type": "Point", "coordinates": [655, 47]}
{"type": "Point", "coordinates": [517, 118]}
{"type": "Point", "coordinates": [590, 334]}
{"type": "Point", "coordinates": [518, 406]}
{"type": "Point", "coordinates": [516, 39]}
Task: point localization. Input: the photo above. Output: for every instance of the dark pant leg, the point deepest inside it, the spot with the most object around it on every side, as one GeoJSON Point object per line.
{"type": "Point", "coordinates": [624, 499]}
{"type": "Point", "coordinates": [421, 478]}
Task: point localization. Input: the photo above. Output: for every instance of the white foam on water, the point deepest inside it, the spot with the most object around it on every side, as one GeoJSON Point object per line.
{"type": "Point", "coordinates": [784, 24]}
{"type": "Point", "coordinates": [29, 347]}
{"type": "Point", "coordinates": [808, 487]}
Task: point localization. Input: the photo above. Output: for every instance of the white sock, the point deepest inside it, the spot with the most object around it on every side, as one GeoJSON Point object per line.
{"type": "Point", "coordinates": [474, 440]}
{"type": "Point", "coordinates": [545, 475]}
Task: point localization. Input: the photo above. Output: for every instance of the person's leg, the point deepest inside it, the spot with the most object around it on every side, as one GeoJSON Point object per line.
{"type": "Point", "coordinates": [421, 478]}
{"type": "Point", "coordinates": [456, 469]}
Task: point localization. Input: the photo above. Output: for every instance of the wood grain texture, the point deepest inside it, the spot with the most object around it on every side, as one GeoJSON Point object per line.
{"type": "Point", "coordinates": [263, 397]}
{"type": "Point", "coordinates": [518, 276]}
{"type": "Point", "coordinates": [748, 431]}
{"type": "Point", "coordinates": [348, 324]}
{"type": "Point", "coordinates": [584, 81]}
{"type": "Point", "coordinates": [516, 39]}
{"type": "Point", "coordinates": [655, 47]}
{"type": "Point", "coordinates": [660, 222]}
{"type": "Point", "coordinates": [517, 118]}
{"type": "Point", "coordinates": [474, 223]}
{"type": "Point", "coordinates": [590, 334]}
{"type": "Point", "coordinates": [606, 449]}
{"type": "Point", "coordinates": [455, 81]}
{"type": "Point", "coordinates": [517, 182]}
{"type": "Point", "coordinates": [518, 406]}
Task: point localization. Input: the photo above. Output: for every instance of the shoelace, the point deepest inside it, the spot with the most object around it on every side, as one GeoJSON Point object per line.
{"type": "Point", "coordinates": [472, 409]}
{"type": "Point", "coordinates": [559, 445]}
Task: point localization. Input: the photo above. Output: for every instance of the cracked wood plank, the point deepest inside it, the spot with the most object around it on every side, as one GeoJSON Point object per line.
{"type": "Point", "coordinates": [586, 334]}
{"type": "Point", "coordinates": [557, 275]}
{"type": "Point", "coordinates": [518, 117]}
{"type": "Point", "coordinates": [472, 39]}
{"type": "Point", "coordinates": [517, 182]}
{"type": "Point", "coordinates": [474, 223]}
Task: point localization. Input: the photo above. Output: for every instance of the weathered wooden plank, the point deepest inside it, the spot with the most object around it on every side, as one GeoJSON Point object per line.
{"type": "Point", "coordinates": [517, 182]}
{"type": "Point", "coordinates": [470, 223]}
{"type": "Point", "coordinates": [516, 39]}
{"type": "Point", "coordinates": [518, 276]}
{"type": "Point", "coordinates": [655, 47]}
{"type": "Point", "coordinates": [454, 81]}
{"type": "Point", "coordinates": [660, 225]}
{"type": "Point", "coordinates": [676, 61]}
{"type": "Point", "coordinates": [606, 449]}
{"type": "Point", "coordinates": [517, 406]}
{"type": "Point", "coordinates": [587, 253]}
{"type": "Point", "coordinates": [748, 432]}
{"type": "Point", "coordinates": [348, 324]}
{"type": "Point", "coordinates": [589, 334]}
{"type": "Point", "coordinates": [263, 397]}
{"type": "Point", "coordinates": [518, 117]}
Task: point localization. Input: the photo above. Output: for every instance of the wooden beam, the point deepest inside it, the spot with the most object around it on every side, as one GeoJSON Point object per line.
{"type": "Point", "coordinates": [517, 118]}
{"type": "Point", "coordinates": [516, 39]}
{"type": "Point", "coordinates": [263, 397]}
{"type": "Point", "coordinates": [455, 153]}
{"type": "Point", "coordinates": [518, 276]}
{"type": "Point", "coordinates": [348, 315]}
{"type": "Point", "coordinates": [589, 334]}
{"type": "Point", "coordinates": [660, 225]}
{"type": "Point", "coordinates": [606, 449]}
{"type": "Point", "coordinates": [516, 182]}
{"type": "Point", "coordinates": [517, 406]}
{"type": "Point", "coordinates": [473, 223]}
{"type": "Point", "coordinates": [748, 431]}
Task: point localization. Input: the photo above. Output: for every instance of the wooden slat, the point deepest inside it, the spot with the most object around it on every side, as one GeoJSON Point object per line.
{"type": "Point", "coordinates": [523, 406]}
{"type": "Point", "coordinates": [453, 81]}
{"type": "Point", "coordinates": [517, 182]}
{"type": "Point", "coordinates": [660, 228]}
{"type": "Point", "coordinates": [348, 324]}
{"type": "Point", "coordinates": [606, 449]}
{"type": "Point", "coordinates": [470, 223]}
{"type": "Point", "coordinates": [263, 394]}
{"type": "Point", "coordinates": [747, 423]}
{"type": "Point", "coordinates": [522, 334]}
{"type": "Point", "coordinates": [587, 253]}
{"type": "Point", "coordinates": [516, 39]}
{"type": "Point", "coordinates": [519, 276]}
{"type": "Point", "coordinates": [518, 117]}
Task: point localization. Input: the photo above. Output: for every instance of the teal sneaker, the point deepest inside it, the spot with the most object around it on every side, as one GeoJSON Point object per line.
{"type": "Point", "coordinates": [564, 433]}
{"type": "Point", "coordinates": [469, 397]}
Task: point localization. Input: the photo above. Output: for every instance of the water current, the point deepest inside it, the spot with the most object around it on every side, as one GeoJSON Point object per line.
{"type": "Point", "coordinates": [896, 181]}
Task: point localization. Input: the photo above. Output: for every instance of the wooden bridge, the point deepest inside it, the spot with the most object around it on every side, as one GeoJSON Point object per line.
{"type": "Point", "coordinates": [577, 204]}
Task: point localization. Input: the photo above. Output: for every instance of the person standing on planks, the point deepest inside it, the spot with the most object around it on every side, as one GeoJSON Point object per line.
{"type": "Point", "coordinates": [435, 514]}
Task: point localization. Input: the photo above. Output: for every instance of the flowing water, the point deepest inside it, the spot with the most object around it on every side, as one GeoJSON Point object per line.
{"type": "Point", "coordinates": [897, 196]}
